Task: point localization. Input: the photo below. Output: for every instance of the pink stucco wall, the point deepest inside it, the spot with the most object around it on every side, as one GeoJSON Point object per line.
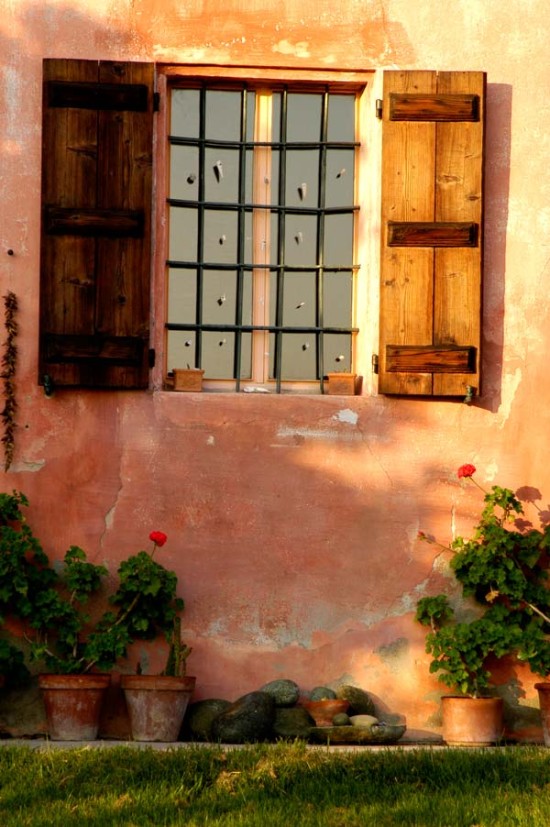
{"type": "Point", "coordinates": [292, 521]}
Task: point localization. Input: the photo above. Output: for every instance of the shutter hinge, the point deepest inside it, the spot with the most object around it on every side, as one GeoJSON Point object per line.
{"type": "Point", "coordinates": [156, 101]}
{"type": "Point", "coordinates": [152, 357]}
{"type": "Point", "coordinates": [375, 363]}
{"type": "Point", "coordinates": [379, 107]}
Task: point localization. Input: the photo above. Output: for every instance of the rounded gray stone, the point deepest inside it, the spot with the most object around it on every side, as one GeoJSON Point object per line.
{"type": "Point", "coordinates": [360, 702]}
{"type": "Point", "coordinates": [248, 720]}
{"type": "Point", "coordinates": [197, 724]}
{"type": "Point", "coordinates": [322, 693]}
{"type": "Point", "coordinates": [283, 691]}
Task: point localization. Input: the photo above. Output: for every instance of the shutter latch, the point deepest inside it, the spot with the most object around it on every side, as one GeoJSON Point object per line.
{"type": "Point", "coordinates": [379, 107]}
{"type": "Point", "coordinates": [375, 363]}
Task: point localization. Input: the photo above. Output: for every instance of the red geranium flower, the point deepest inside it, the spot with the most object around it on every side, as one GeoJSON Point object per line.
{"type": "Point", "coordinates": [466, 471]}
{"type": "Point", "coordinates": [158, 537]}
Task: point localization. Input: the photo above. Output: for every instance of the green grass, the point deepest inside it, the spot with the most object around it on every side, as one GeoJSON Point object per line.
{"type": "Point", "coordinates": [261, 786]}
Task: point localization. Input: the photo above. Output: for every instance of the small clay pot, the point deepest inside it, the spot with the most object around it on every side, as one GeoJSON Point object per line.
{"type": "Point", "coordinates": [324, 711]}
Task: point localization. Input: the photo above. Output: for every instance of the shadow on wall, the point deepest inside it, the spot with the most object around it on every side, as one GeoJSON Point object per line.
{"type": "Point", "coordinates": [497, 184]}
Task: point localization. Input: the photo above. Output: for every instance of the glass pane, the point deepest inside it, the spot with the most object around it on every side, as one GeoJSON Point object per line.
{"type": "Point", "coordinates": [300, 240]}
{"type": "Point", "coordinates": [180, 345]}
{"type": "Point", "coordinates": [337, 299]}
{"type": "Point", "coordinates": [182, 296]}
{"type": "Point", "coordinates": [248, 175]}
{"type": "Point", "coordinates": [184, 172]}
{"type": "Point", "coordinates": [247, 299]}
{"type": "Point", "coordinates": [299, 300]}
{"type": "Point", "coordinates": [220, 236]}
{"type": "Point", "coordinates": [218, 351]}
{"type": "Point", "coordinates": [221, 179]}
{"type": "Point", "coordinates": [339, 178]}
{"type": "Point", "coordinates": [341, 118]}
{"type": "Point", "coordinates": [246, 356]}
{"type": "Point", "coordinates": [185, 116]}
{"type": "Point", "coordinates": [337, 352]}
{"type": "Point", "coordinates": [339, 240]}
{"type": "Point", "coordinates": [250, 100]}
{"type": "Point", "coordinates": [298, 356]}
{"type": "Point", "coordinates": [303, 117]}
{"type": "Point", "coordinates": [219, 297]}
{"type": "Point", "coordinates": [223, 115]}
{"type": "Point", "coordinates": [183, 234]}
{"type": "Point", "coordinates": [302, 178]}
{"type": "Point", "coordinates": [275, 167]}
{"type": "Point", "coordinates": [276, 117]}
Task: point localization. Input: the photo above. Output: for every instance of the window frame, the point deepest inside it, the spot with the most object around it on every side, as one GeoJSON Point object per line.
{"type": "Point", "coordinates": [169, 77]}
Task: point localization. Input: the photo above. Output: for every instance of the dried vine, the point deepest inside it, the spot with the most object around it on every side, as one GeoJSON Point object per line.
{"type": "Point", "coordinates": [9, 360]}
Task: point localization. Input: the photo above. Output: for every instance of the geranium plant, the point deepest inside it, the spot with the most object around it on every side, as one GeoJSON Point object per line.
{"type": "Point", "coordinates": [61, 609]}
{"type": "Point", "coordinates": [504, 568]}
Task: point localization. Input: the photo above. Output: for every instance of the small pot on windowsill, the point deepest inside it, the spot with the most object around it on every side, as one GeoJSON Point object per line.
{"type": "Point", "coordinates": [188, 379]}
{"type": "Point", "coordinates": [341, 384]}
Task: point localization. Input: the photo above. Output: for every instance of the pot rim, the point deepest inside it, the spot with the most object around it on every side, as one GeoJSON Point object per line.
{"type": "Point", "coordinates": [154, 682]}
{"type": "Point", "coordinates": [74, 681]}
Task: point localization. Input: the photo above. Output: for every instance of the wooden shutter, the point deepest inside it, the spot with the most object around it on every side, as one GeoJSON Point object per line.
{"type": "Point", "coordinates": [96, 223]}
{"type": "Point", "coordinates": [432, 232]}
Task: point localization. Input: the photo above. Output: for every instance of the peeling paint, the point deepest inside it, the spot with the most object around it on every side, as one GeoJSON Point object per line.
{"type": "Point", "coordinates": [347, 415]}
{"type": "Point", "coordinates": [300, 49]}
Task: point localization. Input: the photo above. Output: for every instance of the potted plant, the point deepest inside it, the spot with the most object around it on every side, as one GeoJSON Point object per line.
{"type": "Point", "coordinates": [12, 665]}
{"type": "Point", "coordinates": [157, 703]}
{"type": "Point", "coordinates": [75, 650]}
{"type": "Point", "coordinates": [23, 572]}
{"type": "Point", "coordinates": [76, 641]}
{"type": "Point", "coordinates": [503, 568]}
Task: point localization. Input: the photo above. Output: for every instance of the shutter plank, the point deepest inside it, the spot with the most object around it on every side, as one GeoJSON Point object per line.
{"type": "Point", "coordinates": [406, 295]}
{"type": "Point", "coordinates": [69, 173]}
{"type": "Point", "coordinates": [126, 142]}
{"type": "Point", "coordinates": [459, 191]}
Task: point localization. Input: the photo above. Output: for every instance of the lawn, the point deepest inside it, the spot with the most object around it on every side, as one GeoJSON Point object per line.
{"type": "Point", "coordinates": [287, 785]}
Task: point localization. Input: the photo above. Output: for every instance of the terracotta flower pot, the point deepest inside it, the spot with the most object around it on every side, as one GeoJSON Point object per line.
{"type": "Point", "coordinates": [188, 379]}
{"type": "Point", "coordinates": [324, 711]}
{"type": "Point", "coordinates": [156, 705]}
{"type": "Point", "coordinates": [341, 384]}
{"type": "Point", "coordinates": [472, 721]}
{"type": "Point", "coordinates": [73, 705]}
{"type": "Point", "coordinates": [544, 702]}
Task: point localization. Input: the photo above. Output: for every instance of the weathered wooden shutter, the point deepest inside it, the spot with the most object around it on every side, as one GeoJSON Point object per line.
{"type": "Point", "coordinates": [432, 232]}
{"type": "Point", "coordinates": [96, 223]}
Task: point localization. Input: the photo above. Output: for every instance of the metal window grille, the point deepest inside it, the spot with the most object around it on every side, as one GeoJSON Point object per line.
{"type": "Point", "coordinates": [197, 326]}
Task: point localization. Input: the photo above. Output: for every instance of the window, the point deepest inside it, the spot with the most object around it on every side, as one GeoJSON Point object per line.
{"type": "Point", "coordinates": [265, 233]}
{"type": "Point", "coordinates": [261, 243]}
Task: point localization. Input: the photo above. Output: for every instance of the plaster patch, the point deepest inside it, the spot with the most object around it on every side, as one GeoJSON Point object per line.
{"type": "Point", "coordinates": [29, 465]}
{"type": "Point", "coordinates": [510, 384]}
{"type": "Point", "coordinates": [210, 440]}
{"type": "Point", "coordinates": [299, 49]}
{"type": "Point", "coordinates": [347, 415]}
